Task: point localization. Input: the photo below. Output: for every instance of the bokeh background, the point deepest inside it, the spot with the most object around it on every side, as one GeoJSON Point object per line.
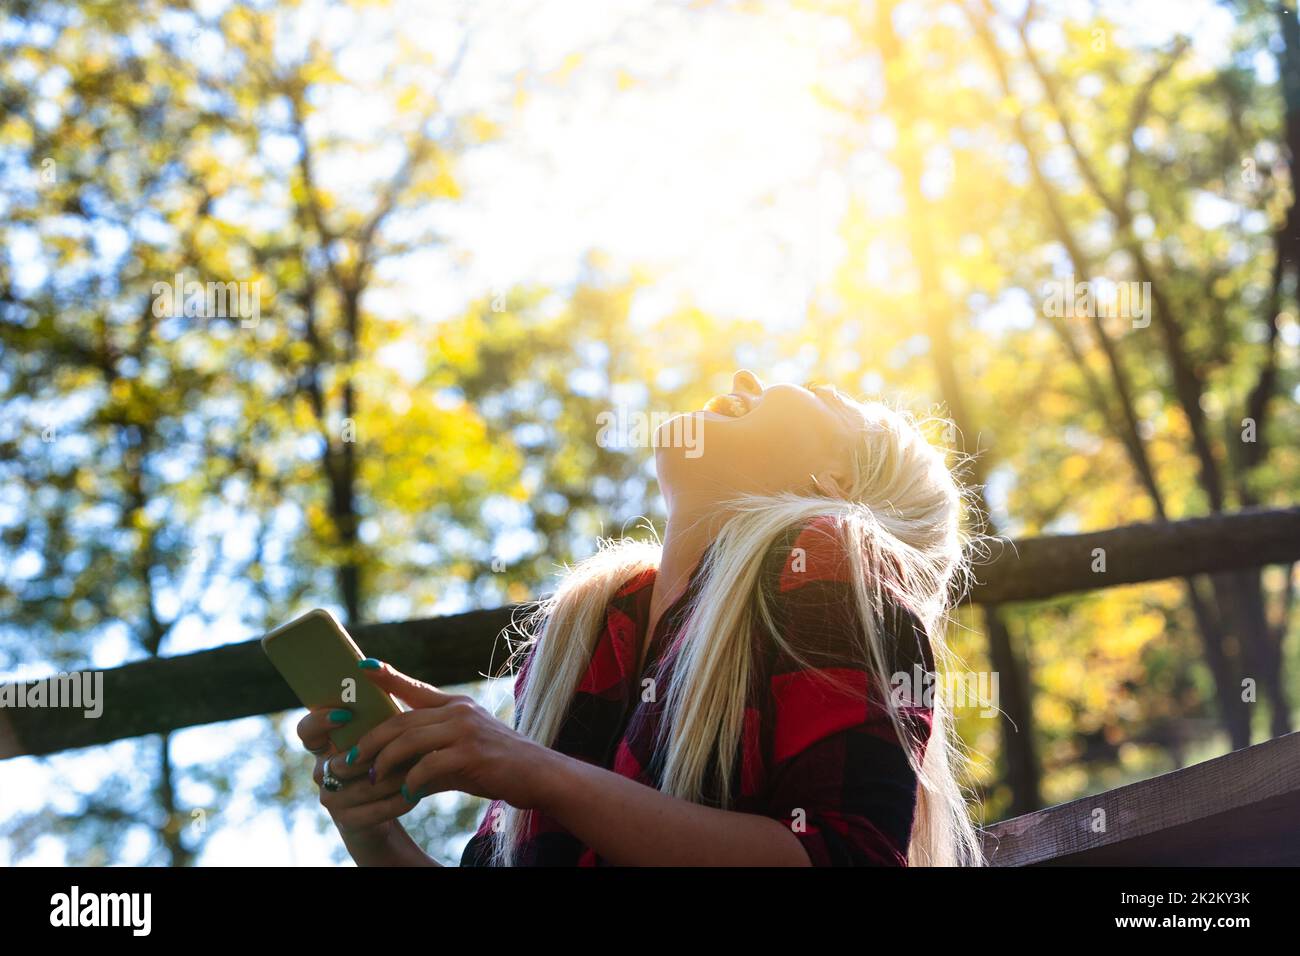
{"type": "Point", "coordinates": [477, 226]}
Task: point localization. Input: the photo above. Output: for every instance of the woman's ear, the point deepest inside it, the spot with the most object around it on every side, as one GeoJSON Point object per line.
{"type": "Point", "coordinates": [828, 483]}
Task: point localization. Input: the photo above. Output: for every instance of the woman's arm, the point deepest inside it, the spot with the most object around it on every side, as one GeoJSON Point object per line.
{"type": "Point", "coordinates": [630, 824]}
{"type": "Point", "coordinates": [454, 744]}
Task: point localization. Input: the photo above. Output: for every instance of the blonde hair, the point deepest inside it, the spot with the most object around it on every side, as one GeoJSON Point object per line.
{"type": "Point", "coordinates": [900, 525]}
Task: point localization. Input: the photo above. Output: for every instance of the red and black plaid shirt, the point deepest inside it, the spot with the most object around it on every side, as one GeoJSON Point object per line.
{"type": "Point", "coordinates": [822, 757]}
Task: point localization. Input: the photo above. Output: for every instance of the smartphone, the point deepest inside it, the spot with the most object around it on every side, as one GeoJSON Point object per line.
{"type": "Point", "coordinates": [318, 659]}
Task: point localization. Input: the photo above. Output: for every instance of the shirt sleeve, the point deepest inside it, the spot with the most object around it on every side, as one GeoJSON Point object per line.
{"type": "Point", "coordinates": [839, 776]}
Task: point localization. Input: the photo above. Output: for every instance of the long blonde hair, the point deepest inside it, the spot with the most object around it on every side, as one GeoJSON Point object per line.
{"type": "Point", "coordinates": [900, 525]}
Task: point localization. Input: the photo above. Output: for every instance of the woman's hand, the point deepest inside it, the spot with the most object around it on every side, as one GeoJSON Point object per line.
{"type": "Point", "coordinates": [365, 812]}
{"type": "Point", "coordinates": [446, 742]}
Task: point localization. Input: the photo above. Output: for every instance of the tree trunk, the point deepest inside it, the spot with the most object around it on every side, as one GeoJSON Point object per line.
{"type": "Point", "coordinates": [1021, 765]}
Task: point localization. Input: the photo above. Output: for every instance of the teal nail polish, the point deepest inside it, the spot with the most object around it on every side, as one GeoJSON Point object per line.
{"type": "Point", "coordinates": [369, 664]}
{"type": "Point", "coordinates": [340, 716]}
{"type": "Point", "coordinates": [353, 754]}
{"type": "Point", "coordinates": [410, 799]}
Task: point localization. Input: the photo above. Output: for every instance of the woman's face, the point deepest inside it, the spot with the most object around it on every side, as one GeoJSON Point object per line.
{"type": "Point", "coordinates": [758, 440]}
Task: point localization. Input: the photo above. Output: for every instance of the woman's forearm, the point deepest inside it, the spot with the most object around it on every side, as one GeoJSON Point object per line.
{"type": "Point", "coordinates": [630, 824]}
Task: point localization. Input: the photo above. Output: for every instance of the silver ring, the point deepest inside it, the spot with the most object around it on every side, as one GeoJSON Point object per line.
{"type": "Point", "coordinates": [330, 782]}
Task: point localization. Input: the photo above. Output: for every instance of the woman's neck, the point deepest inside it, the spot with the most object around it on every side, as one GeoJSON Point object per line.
{"type": "Point", "coordinates": [690, 528]}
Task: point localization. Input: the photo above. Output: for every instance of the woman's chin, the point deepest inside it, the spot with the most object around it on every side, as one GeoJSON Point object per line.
{"type": "Point", "coordinates": [683, 436]}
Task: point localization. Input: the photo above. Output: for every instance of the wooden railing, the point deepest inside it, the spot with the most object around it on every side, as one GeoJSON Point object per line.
{"type": "Point", "coordinates": [1240, 809]}
{"type": "Point", "coordinates": [236, 680]}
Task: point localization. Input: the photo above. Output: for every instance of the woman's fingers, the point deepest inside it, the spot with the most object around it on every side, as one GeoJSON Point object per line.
{"type": "Point", "coordinates": [313, 729]}
{"type": "Point", "coordinates": [318, 773]}
{"type": "Point", "coordinates": [360, 804]}
{"type": "Point", "coordinates": [433, 773]}
{"type": "Point", "coordinates": [412, 745]}
{"type": "Point", "coordinates": [392, 728]}
{"type": "Point", "coordinates": [353, 792]}
{"type": "Point", "coordinates": [376, 773]}
{"type": "Point", "coordinates": [414, 693]}
{"type": "Point", "coordinates": [371, 814]}
{"type": "Point", "coordinates": [365, 799]}
{"type": "Point", "coordinates": [348, 764]}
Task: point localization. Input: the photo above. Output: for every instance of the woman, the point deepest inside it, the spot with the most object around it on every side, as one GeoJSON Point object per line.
{"type": "Point", "coordinates": [734, 697]}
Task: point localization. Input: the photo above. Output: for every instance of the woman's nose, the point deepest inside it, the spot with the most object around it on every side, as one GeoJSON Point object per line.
{"type": "Point", "coordinates": [746, 381]}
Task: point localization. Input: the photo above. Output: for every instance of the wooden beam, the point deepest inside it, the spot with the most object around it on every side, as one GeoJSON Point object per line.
{"type": "Point", "coordinates": [1036, 568]}
{"type": "Point", "coordinates": [1239, 809]}
{"type": "Point", "coordinates": [236, 680]}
